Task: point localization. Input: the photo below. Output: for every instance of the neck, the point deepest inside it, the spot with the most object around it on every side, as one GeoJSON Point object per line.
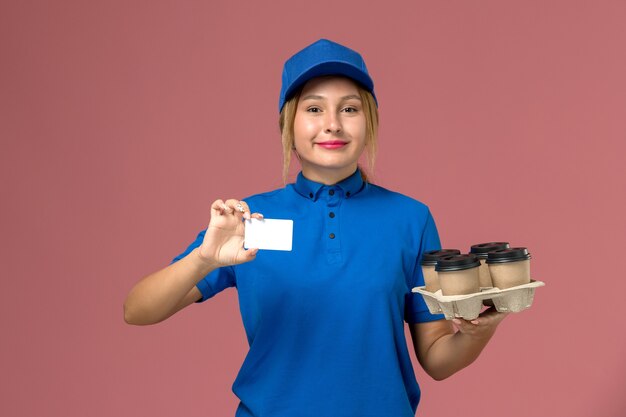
{"type": "Point", "coordinates": [327, 176]}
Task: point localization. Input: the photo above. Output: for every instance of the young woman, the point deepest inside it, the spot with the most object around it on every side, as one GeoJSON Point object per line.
{"type": "Point", "coordinates": [324, 321]}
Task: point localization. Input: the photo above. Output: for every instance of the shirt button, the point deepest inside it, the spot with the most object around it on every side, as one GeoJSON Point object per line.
{"type": "Point", "coordinates": [331, 192]}
{"type": "Point", "coordinates": [332, 215]}
{"type": "Point", "coordinates": [311, 195]}
{"type": "Point", "coordinates": [348, 194]}
{"type": "Point", "coordinates": [332, 235]}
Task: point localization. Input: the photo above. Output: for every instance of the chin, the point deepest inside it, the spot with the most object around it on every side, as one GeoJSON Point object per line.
{"type": "Point", "coordinates": [330, 164]}
{"type": "Point", "coordinates": [334, 167]}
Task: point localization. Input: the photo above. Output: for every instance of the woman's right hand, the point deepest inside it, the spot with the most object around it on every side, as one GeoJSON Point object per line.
{"type": "Point", "coordinates": [223, 240]}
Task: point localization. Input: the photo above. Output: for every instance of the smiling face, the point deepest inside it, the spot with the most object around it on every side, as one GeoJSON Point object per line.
{"type": "Point", "coordinates": [329, 129]}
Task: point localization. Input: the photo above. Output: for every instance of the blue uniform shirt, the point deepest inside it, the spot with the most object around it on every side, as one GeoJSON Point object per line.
{"type": "Point", "coordinates": [325, 321]}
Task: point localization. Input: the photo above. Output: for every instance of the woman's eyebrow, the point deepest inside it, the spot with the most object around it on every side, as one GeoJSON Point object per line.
{"type": "Point", "coordinates": [351, 97]}
{"type": "Point", "coordinates": [344, 98]}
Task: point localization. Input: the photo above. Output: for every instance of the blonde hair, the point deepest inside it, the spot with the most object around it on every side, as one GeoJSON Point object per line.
{"type": "Point", "coordinates": [288, 117]}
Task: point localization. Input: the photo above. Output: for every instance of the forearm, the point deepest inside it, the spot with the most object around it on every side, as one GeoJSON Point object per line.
{"type": "Point", "coordinates": [159, 295]}
{"type": "Point", "coordinates": [453, 352]}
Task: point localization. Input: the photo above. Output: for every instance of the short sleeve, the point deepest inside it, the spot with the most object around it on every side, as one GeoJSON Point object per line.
{"type": "Point", "coordinates": [416, 310]}
{"type": "Point", "coordinates": [215, 282]}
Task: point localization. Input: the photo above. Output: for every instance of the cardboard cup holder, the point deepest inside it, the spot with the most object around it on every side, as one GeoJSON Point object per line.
{"type": "Point", "coordinates": [468, 306]}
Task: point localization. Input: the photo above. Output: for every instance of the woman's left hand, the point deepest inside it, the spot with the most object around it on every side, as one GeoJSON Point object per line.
{"type": "Point", "coordinates": [483, 326]}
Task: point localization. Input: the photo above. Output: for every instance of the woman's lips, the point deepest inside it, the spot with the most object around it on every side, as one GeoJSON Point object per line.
{"type": "Point", "coordinates": [332, 144]}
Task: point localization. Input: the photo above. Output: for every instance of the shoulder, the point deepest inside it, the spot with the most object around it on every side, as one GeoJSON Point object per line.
{"type": "Point", "coordinates": [398, 200]}
{"type": "Point", "coordinates": [259, 201]}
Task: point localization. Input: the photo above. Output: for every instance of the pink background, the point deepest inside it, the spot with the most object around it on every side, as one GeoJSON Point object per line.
{"type": "Point", "coordinates": [121, 121]}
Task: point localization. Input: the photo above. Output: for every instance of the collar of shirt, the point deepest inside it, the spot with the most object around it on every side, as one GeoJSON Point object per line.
{"type": "Point", "coordinates": [312, 190]}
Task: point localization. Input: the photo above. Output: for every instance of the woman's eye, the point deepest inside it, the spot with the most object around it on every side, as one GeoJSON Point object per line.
{"type": "Point", "coordinates": [313, 109]}
{"type": "Point", "coordinates": [350, 109]}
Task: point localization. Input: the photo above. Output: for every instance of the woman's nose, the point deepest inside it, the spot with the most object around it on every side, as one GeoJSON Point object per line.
{"type": "Point", "coordinates": [333, 123]}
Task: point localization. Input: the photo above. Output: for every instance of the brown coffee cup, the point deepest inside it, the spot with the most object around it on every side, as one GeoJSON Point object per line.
{"type": "Point", "coordinates": [458, 274]}
{"type": "Point", "coordinates": [509, 267]}
{"type": "Point", "coordinates": [429, 260]}
{"type": "Point", "coordinates": [481, 250]}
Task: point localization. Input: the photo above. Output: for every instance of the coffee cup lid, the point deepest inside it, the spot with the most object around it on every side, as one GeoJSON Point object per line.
{"type": "Point", "coordinates": [481, 249]}
{"type": "Point", "coordinates": [508, 255]}
{"type": "Point", "coordinates": [430, 258]}
{"type": "Point", "coordinates": [457, 263]}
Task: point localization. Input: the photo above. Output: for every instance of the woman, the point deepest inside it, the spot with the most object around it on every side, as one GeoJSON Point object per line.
{"type": "Point", "coordinates": [325, 321]}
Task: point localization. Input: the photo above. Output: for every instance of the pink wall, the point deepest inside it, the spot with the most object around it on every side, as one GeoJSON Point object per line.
{"type": "Point", "coordinates": [120, 122]}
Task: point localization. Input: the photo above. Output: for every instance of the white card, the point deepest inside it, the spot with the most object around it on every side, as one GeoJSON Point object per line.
{"type": "Point", "coordinates": [272, 234]}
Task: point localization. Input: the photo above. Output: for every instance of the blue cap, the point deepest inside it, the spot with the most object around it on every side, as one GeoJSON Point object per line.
{"type": "Point", "coordinates": [321, 58]}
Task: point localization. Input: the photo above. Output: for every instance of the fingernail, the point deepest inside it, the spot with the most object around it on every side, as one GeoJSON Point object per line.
{"type": "Point", "coordinates": [456, 321]}
{"type": "Point", "coordinates": [474, 321]}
